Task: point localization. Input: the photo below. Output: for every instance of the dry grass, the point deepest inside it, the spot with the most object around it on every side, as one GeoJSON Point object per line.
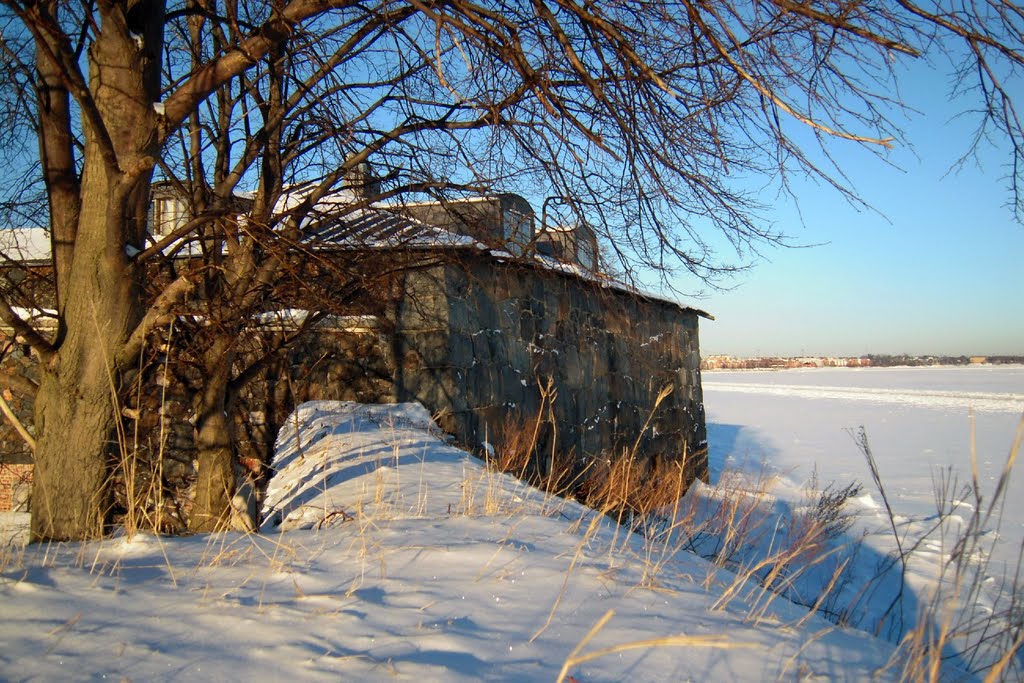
{"type": "Point", "coordinates": [576, 657]}
{"type": "Point", "coordinates": [953, 626]}
{"type": "Point", "coordinates": [628, 488]}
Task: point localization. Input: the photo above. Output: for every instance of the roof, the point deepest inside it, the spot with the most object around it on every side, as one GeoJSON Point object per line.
{"type": "Point", "coordinates": [378, 228]}
{"type": "Point", "coordinates": [333, 224]}
{"type": "Point", "coordinates": [575, 270]}
{"type": "Point", "coordinates": [25, 245]}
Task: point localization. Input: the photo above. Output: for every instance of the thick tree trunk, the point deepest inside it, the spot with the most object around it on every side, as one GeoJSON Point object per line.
{"type": "Point", "coordinates": [215, 481]}
{"type": "Point", "coordinates": [69, 490]}
{"type": "Point", "coordinates": [76, 402]}
{"type": "Point", "coordinates": [76, 405]}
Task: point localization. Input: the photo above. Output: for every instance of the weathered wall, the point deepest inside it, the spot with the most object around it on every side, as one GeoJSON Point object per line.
{"type": "Point", "coordinates": [476, 341]}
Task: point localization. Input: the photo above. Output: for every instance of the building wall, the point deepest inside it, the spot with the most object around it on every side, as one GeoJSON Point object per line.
{"type": "Point", "coordinates": [15, 455]}
{"type": "Point", "coordinates": [477, 341]}
{"type": "Point", "coordinates": [15, 480]}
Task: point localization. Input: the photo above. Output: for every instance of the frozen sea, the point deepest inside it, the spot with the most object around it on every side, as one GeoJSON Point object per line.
{"type": "Point", "coordinates": [918, 422]}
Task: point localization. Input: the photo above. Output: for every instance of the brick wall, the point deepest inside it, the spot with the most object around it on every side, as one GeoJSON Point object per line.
{"type": "Point", "coordinates": [14, 484]}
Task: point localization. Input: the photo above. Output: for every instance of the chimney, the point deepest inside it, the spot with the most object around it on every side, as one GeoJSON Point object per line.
{"type": "Point", "coordinates": [361, 182]}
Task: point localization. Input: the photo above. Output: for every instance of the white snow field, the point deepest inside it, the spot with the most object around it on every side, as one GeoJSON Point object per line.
{"type": "Point", "coordinates": [386, 554]}
{"type": "Point", "coordinates": [793, 425]}
{"type": "Point", "coordinates": [917, 420]}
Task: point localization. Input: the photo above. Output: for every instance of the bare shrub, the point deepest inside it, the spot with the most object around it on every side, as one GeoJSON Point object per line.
{"type": "Point", "coordinates": [827, 509]}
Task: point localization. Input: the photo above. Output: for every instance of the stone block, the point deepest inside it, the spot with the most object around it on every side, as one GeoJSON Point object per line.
{"type": "Point", "coordinates": [528, 328]}
{"type": "Point", "coordinates": [424, 349]}
{"type": "Point", "coordinates": [461, 353]}
{"type": "Point", "coordinates": [481, 341]}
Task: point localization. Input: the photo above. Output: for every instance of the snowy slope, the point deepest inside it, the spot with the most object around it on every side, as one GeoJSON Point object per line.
{"type": "Point", "coordinates": [388, 555]}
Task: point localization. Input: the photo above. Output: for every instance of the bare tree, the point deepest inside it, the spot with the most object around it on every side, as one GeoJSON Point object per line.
{"type": "Point", "coordinates": [637, 115]}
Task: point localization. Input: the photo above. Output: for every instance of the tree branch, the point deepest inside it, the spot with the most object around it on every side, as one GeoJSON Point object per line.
{"type": "Point", "coordinates": [157, 315]}
{"type": "Point", "coordinates": [21, 328]}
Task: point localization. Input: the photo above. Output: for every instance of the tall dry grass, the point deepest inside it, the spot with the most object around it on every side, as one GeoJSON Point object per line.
{"type": "Point", "coordinates": [807, 556]}
{"type": "Point", "coordinates": [973, 619]}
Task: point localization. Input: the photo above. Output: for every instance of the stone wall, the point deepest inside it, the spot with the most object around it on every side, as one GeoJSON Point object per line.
{"type": "Point", "coordinates": [477, 341]}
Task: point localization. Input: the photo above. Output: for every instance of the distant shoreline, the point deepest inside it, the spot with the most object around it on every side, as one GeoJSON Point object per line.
{"type": "Point", "coordinates": [724, 362]}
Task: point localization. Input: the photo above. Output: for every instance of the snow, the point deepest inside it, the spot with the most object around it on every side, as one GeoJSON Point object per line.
{"type": "Point", "coordinates": [372, 226]}
{"type": "Point", "coordinates": [388, 554]}
{"type": "Point", "coordinates": [13, 531]}
{"type": "Point", "coordinates": [918, 422]}
{"type": "Point", "coordinates": [25, 244]}
{"type": "Point", "coordinates": [793, 425]}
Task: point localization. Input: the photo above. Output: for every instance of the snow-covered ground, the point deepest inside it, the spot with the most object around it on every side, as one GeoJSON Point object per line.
{"type": "Point", "coordinates": [387, 554]}
{"type": "Point", "coordinates": [796, 424]}
{"type": "Point", "coordinates": [917, 420]}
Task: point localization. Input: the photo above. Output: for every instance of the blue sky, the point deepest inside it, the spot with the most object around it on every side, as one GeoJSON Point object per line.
{"type": "Point", "coordinates": [941, 271]}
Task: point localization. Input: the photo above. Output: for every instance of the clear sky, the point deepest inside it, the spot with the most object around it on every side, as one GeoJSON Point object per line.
{"type": "Point", "coordinates": [940, 272]}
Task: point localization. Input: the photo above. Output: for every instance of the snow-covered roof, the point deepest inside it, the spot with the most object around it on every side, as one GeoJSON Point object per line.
{"type": "Point", "coordinates": [377, 228]}
{"type": "Point", "coordinates": [333, 224]}
{"type": "Point", "coordinates": [576, 270]}
{"type": "Point", "coordinates": [25, 245]}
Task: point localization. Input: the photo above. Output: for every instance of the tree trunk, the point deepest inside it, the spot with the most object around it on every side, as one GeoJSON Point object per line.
{"type": "Point", "coordinates": [69, 489]}
{"type": "Point", "coordinates": [56, 152]}
{"type": "Point", "coordinates": [76, 406]}
{"type": "Point", "coordinates": [215, 476]}
{"type": "Point", "coordinates": [215, 481]}
{"type": "Point", "coordinates": [76, 403]}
